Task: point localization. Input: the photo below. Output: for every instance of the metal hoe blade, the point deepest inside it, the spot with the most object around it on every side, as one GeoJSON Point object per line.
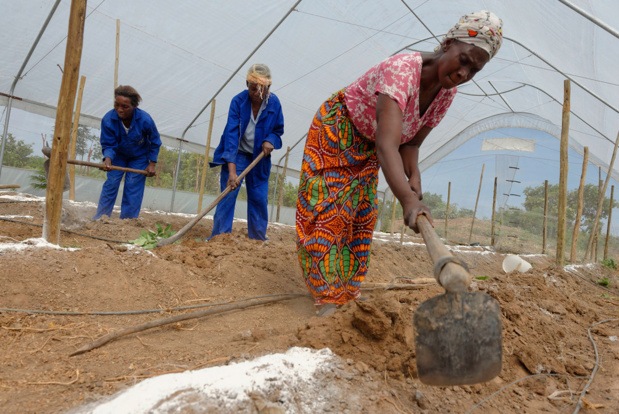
{"type": "Point", "coordinates": [458, 339]}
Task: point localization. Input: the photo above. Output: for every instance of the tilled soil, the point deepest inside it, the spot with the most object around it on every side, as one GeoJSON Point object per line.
{"type": "Point", "coordinates": [546, 314]}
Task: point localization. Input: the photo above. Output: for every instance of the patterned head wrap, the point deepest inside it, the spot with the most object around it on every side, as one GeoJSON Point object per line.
{"type": "Point", "coordinates": [482, 29]}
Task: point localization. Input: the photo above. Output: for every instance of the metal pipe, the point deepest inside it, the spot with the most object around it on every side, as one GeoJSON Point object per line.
{"type": "Point", "coordinates": [240, 66]}
{"type": "Point", "coordinates": [592, 18]}
{"type": "Point", "coordinates": [540, 58]}
{"type": "Point", "coordinates": [18, 76]}
{"type": "Point", "coordinates": [434, 36]}
{"type": "Point", "coordinates": [500, 96]}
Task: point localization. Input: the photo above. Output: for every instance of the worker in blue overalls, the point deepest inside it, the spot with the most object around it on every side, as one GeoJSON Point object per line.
{"type": "Point", "coordinates": [255, 124]}
{"type": "Point", "coordinates": [129, 138]}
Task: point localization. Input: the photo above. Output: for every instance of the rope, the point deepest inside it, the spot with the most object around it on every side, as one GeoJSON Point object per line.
{"type": "Point", "coordinates": [442, 261]}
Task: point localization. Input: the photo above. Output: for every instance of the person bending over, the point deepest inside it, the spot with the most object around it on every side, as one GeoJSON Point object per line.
{"type": "Point", "coordinates": [129, 138]}
{"type": "Point", "coordinates": [380, 120]}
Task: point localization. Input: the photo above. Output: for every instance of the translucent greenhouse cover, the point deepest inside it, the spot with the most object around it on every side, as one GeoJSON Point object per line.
{"type": "Point", "coordinates": [179, 54]}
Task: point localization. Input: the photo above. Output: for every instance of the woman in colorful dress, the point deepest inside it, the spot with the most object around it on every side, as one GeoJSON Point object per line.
{"type": "Point", "coordinates": [380, 120]}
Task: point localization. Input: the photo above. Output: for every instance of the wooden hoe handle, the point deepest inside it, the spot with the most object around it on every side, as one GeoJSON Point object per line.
{"type": "Point", "coordinates": [453, 276]}
{"type": "Point", "coordinates": [47, 151]}
{"type": "Point", "coordinates": [100, 166]}
{"type": "Point", "coordinates": [181, 232]}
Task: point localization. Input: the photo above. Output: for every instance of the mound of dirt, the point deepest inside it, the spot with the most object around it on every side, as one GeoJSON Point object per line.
{"type": "Point", "coordinates": [546, 314]}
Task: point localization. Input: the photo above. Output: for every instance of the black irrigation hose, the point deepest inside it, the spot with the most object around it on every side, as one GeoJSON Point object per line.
{"type": "Point", "coordinates": [20, 201]}
{"type": "Point", "coordinates": [205, 305]}
{"type": "Point", "coordinates": [66, 231]}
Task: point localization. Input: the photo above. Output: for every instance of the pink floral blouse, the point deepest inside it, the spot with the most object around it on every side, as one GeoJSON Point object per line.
{"type": "Point", "coordinates": [398, 77]}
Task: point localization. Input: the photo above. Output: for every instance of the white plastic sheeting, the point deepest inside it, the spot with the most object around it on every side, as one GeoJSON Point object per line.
{"type": "Point", "coordinates": [179, 54]}
{"type": "Point", "coordinates": [510, 144]}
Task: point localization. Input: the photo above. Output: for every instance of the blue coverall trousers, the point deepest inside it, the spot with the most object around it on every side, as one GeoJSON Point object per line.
{"type": "Point", "coordinates": [133, 192]}
{"type": "Point", "coordinates": [257, 200]}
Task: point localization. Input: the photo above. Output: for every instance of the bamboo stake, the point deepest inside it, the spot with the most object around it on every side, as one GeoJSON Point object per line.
{"type": "Point", "coordinates": [477, 201]}
{"type": "Point", "coordinates": [565, 131]}
{"type": "Point", "coordinates": [610, 214]}
{"type": "Point", "coordinates": [117, 53]}
{"type": "Point", "coordinates": [280, 189]}
{"type": "Point", "coordinates": [447, 208]}
{"type": "Point", "coordinates": [545, 227]}
{"type": "Point", "coordinates": [492, 238]}
{"type": "Point", "coordinates": [581, 192]}
{"type": "Point", "coordinates": [62, 128]}
{"type": "Point", "coordinates": [206, 151]}
{"type": "Point", "coordinates": [597, 233]}
{"type": "Point", "coordinates": [178, 318]}
{"type": "Point", "coordinates": [600, 199]}
{"type": "Point", "coordinates": [402, 231]}
{"type": "Point", "coordinates": [393, 206]}
{"type": "Point", "coordinates": [76, 124]}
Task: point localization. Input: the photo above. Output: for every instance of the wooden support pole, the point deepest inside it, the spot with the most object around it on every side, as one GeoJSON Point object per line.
{"type": "Point", "coordinates": [481, 179]}
{"type": "Point", "coordinates": [565, 132]}
{"type": "Point", "coordinates": [280, 189]}
{"type": "Point", "coordinates": [9, 186]}
{"type": "Point", "coordinates": [62, 128]}
{"type": "Point", "coordinates": [206, 154]}
{"type": "Point", "coordinates": [117, 53]}
{"type": "Point", "coordinates": [76, 124]}
{"type": "Point", "coordinates": [598, 212]}
{"type": "Point", "coordinates": [581, 192]}
{"type": "Point", "coordinates": [393, 205]}
{"type": "Point", "coordinates": [597, 233]}
{"type": "Point", "coordinates": [610, 215]}
{"type": "Point", "coordinates": [492, 238]}
{"type": "Point", "coordinates": [545, 225]}
{"type": "Point", "coordinates": [447, 207]}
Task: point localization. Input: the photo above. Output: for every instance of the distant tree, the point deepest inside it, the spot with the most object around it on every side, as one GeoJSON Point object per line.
{"type": "Point", "coordinates": [534, 203]}
{"type": "Point", "coordinates": [16, 152]}
{"type": "Point", "coordinates": [463, 212]}
{"type": "Point", "coordinates": [87, 140]}
{"type": "Point", "coordinates": [435, 204]}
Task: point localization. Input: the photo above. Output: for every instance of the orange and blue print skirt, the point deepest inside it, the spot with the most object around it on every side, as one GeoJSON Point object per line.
{"type": "Point", "coordinates": [336, 205]}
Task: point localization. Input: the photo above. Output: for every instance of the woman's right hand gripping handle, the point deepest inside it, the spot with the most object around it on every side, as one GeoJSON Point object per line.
{"type": "Point", "coordinates": [413, 208]}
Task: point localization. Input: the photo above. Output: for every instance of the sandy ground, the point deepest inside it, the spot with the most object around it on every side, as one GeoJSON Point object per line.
{"type": "Point", "coordinates": [546, 316]}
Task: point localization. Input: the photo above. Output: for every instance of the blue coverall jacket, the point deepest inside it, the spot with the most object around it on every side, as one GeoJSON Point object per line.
{"type": "Point", "coordinates": [134, 149]}
{"type": "Point", "coordinates": [269, 127]}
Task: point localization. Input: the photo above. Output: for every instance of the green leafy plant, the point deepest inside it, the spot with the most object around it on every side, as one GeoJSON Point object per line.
{"type": "Point", "coordinates": [609, 264]}
{"type": "Point", "coordinates": [39, 180]}
{"type": "Point", "coordinates": [481, 277]}
{"type": "Point", "coordinates": [603, 282]}
{"type": "Point", "coordinates": [148, 239]}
